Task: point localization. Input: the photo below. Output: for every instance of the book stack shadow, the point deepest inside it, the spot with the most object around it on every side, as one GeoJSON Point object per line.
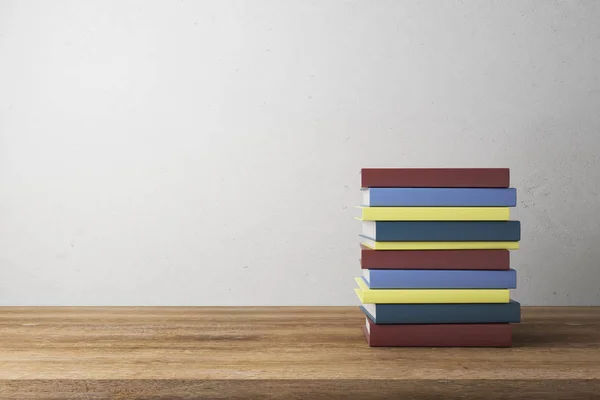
{"type": "Point", "coordinates": [435, 257]}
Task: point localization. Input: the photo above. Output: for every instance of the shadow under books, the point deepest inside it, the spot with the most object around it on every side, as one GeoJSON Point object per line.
{"type": "Point", "coordinates": [530, 335]}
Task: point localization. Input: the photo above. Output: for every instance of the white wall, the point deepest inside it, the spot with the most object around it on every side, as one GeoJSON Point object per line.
{"type": "Point", "coordinates": [207, 152]}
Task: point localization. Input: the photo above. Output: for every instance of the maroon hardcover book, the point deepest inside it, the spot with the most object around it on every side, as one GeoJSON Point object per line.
{"type": "Point", "coordinates": [436, 177]}
{"type": "Point", "coordinates": [438, 335]}
{"type": "Point", "coordinates": [434, 259]}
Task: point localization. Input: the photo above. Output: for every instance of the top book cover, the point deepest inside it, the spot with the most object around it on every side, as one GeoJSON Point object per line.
{"type": "Point", "coordinates": [435, 177]}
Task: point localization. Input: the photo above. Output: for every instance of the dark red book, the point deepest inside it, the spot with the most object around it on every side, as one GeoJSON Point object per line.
{"type": "Point", "coordinates": [436, 177]}
{"type": "Point", "coordinates": [438, 335]}
{"type": "Point", "coordinates": [434, 259]}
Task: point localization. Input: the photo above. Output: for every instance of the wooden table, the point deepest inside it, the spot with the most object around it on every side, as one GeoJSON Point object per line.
{"type": "Point", "coordinates": [281, 352]}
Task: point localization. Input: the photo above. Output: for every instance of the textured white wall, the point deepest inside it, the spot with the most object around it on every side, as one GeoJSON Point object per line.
{"type": "Point", "coordinates": [207, 152]}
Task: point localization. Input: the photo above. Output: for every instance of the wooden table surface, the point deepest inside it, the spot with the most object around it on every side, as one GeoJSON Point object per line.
{"type": "Point", "coordinates": [281, 352]}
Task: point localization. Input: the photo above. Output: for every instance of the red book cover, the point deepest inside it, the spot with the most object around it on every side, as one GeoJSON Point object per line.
{"type": "Point", "coordinates": [438, 335]}
{"type": "Point", "coordinates": [435, 259]}
{"type": "Point", "coordinates": [436, 177]}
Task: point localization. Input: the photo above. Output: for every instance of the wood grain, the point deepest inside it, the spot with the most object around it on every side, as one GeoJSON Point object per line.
{"type": "Point", "coordinates": [158, 352]}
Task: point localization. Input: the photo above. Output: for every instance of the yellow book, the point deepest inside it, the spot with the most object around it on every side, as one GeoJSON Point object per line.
{"type": "Point", "coordinates": [429, 296]}
{"type": "Point", "coordinates": [435, 213]}
{"type": "Point", "coordinates": [438, 245]}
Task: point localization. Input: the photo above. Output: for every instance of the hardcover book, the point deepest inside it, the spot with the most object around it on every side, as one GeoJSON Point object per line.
{"type": "Point", "coordinates": [432, 279]}
{"type": "Point", "coordinates": [367, 295]}
{"type": "Point", "coordinates": [438, 335]}
{"type": "Point", "coordinates": [439, 197]}
{"type": "Point", "coordinates": [443, 313]}
{"type": "Point", "coordinates": [438, 245]}
{"type": "Point", "coordinates": [434, 213]}
{"type": "Point", "coordinates": [436, 177]}
{"type": "Point", "coordinates": [435, 259]}
{"type": "Point", "coordinates": [440, 231]}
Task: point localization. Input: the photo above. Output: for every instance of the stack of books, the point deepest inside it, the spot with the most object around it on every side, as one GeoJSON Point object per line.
{"type": "Point", "coordinates": [435, 257]}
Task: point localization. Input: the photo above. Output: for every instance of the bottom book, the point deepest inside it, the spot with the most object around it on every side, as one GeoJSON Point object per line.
{"type": "Point", "coordinates": [438, 335]}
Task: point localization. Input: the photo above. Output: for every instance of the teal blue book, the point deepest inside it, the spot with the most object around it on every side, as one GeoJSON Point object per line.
{"type": "Point", "coordinates": [442, 231]}
{"type": "Point", "coordinates": [443, 313]}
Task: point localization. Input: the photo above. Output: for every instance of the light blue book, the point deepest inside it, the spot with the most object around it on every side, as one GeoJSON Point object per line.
{"type": "Point", "coordinates": [439, 197]}
{"type": "Point", "coordinates": [439, 279]}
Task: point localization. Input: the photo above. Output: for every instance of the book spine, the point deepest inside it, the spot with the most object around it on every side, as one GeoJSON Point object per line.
{"type": "Point", "coordinates": [431, 279]}
{"type": "Point", "coordinates": [435, 259]}
{"type": "Point", "coordinates": [440, 335]}
{"type": "Point", "coordinates": [452, 231]}
{"type": "Point", "coordinates": [442, 197]}
{"type": "Point", "coordinates": [447, 313]}
{"type": "Point", "coordinates": [435, 213]}
{"type": "Point", "coordinates": [429, 296]}
{"type": "Point", "coordinates": [436, 177]}
{"type": "Point", "coordinates": [490, 245]}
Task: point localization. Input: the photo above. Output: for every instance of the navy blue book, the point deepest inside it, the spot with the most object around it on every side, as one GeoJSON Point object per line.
{"type": "Point", "coordinates": [439, 197]}
{"type": "Point", "coordinates": [439, 279]}
{"type": "Point", "coordinates": [443, 313]}
{"type": "Point", "coordinates": [442, 231]}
